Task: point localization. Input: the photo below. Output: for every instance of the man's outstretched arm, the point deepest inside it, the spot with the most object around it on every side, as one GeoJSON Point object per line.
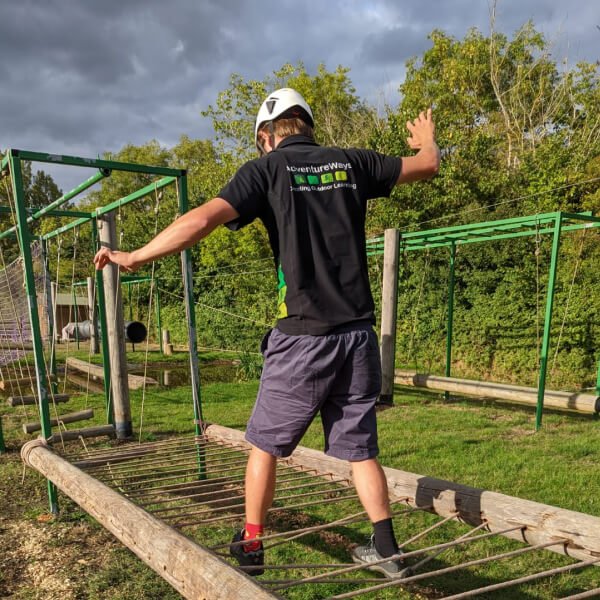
{"type": "Point", "coordinates": [186, 231]}
{"type": "Point", "coordinates": [426, 162]}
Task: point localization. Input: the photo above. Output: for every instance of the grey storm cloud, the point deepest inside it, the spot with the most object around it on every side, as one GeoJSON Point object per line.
{"type": "Point", "coordinates": [84, 76]}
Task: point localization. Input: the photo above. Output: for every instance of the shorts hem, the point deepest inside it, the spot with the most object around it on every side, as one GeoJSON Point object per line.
{"type": "Point", "coordinates": [353, 456]}
{"type": "Point", "coordinates": [276, 451]}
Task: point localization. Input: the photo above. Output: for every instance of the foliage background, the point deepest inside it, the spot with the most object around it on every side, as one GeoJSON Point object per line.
{"type": "Point", "coordinates": [520, 134]}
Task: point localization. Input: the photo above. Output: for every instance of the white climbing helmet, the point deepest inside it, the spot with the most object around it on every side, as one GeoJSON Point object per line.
{"type": "Point", "coordinates": [279, 102]}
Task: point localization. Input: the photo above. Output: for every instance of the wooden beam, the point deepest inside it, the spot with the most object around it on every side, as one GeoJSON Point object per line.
{"type": "Point", "coordinates": [28, 400]}
{"type": "Point", "coordinates": [135, 382]}
{"type": "Point", "coordinates": [587, 403]}
{"type": "Point", "coordinates": [73, 417]}
{"type": "Point", "coordinates": [543, 523]}
{"type": "Point", "coordinates": [195, 572]}
{"type": "Point", "coordinates": [86, 432]}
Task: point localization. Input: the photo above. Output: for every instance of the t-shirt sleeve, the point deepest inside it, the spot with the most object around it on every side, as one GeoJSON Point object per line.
{"type": "Point", "coordinates": [380, 172]}
{"type": "Point", "coordinates": [247, 193]}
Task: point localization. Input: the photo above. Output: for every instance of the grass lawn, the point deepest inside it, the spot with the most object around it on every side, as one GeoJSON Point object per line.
{"type": "Point", "coordinates": [481, 444]}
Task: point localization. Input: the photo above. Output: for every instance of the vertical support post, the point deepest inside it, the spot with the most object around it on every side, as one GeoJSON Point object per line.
{"type": "Point", "coordinates": [389, 309]}
{"type": "Point", "coordinates": [598, 380]}
{"type": "Point", "coordinates": [25, 238]}
{"type": "Point", "coordinates": [115, 332]}
{"type": "Point", "coordinates": [92, 316]}
{"type": "Point", "coordinates": [450, 322]}
{"type": "Point", "coordinates": [188, 287]}
{"type": "Point", "coordinates": [157, 308]}
{"type": "Point", "coordinates": [51, 310]}
{"type": "Point", "coordinates": [103, 332]}
{"type": "Point", "coordinates": [548, 321]}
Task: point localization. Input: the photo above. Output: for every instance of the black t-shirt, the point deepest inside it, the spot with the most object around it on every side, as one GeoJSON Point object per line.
{"type": "Point", "coordinates": [312, 201]}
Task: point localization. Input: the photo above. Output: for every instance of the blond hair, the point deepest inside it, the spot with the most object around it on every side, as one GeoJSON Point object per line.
{"type": "Point", "coordinates": [285, 127]}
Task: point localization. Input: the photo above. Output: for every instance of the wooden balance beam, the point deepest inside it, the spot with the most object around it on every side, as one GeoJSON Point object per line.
{"type": "Point", "coordinates": [587, 403]}
{"type": "Point", "coordinates": [135, 382]}
{"type": "Point", "coordinates": [543, 523]}
{"type": "Point", "coordinates": [28, 400]}
{"type": "Point", "coordinates": [73, 417]}
{"type": "Point", "coordinates": [193, 571]}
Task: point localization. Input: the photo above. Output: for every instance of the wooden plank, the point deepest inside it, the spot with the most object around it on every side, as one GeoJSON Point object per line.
{"type": "Point", "coordinates": [73, 417]}
{"type": "Point", "coordinates": [28, 400]}
{"type": "Point", "coordinates": [135, 382]}
{"type": "Point", "coordinates": [544, 523]}
{"type": "Point", "coordinates": [196, 573]}
{"type": "Point", "coordinates": [588, 403]}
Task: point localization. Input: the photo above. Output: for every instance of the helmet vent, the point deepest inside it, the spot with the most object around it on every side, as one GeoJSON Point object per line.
{"type": "Point", "coordinates": [271, 105]}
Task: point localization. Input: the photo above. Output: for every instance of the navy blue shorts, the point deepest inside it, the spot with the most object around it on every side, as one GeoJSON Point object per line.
{"type": "Point", "coordinates": [338, 375]}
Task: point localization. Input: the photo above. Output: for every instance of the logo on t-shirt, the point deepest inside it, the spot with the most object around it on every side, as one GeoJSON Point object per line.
{"type": "Point", "coordinates": [320, 178]}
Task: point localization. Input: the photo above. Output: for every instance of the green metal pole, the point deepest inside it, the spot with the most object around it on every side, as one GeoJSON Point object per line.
{"type": "Point", "coordinates": [548, 321]}
{"type": "Point", "coordinates": [38, 350]}
{"type": "Point", "coordinates": [598, 380]}
{"type": "Point", "coordinates": [450, 315]}
{"type": "Point", "coordinates": [100, 301]}
{"type": "Point", "coordinates": [188, 286]}
{"type": "Point", "coordinates": [158, 322]}
{"type": "Point", "coordinates": [2, 445]}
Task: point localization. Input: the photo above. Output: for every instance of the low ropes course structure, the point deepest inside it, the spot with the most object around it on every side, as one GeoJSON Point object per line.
{"type": "Point", "coordinates": [174, 502]}
{"type": "Point", "coordinates": [154, 496]}
{"type": "Point", "coordinates": [552, 225]}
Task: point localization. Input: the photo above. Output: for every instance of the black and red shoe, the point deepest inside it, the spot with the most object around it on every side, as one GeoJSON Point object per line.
{"type": "Point", "coordinates": [247, 558]}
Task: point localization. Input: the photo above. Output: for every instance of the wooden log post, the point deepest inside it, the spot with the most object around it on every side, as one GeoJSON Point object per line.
{"type": "Point", "coordinates": [116, 332]}
{"type": "Point", "coordinates": [192, 570]}
{"type": "Point", "coordinates": [541, 523]}
{"type": "Point", "coordinates": [587, 403]}
{"type": "Point", "coordinates": [389, 308]}
{"type": "Point", "coordinates": [166, 342]}
{"type": "Point", "coordinates": [93, 317]}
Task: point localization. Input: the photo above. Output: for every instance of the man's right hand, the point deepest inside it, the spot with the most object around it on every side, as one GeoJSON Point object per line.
{"type": "Point", "coordinates": [125, 260]}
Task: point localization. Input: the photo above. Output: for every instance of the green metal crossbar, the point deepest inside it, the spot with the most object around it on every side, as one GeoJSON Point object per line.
{"type": "Point", "coordinates": [487, 231]}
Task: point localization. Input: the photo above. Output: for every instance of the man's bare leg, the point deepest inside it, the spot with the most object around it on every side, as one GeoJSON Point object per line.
{"type": "Point", "coordinates": [260, 485]}
{"type": "Point", "coordinates": [371, 485]}
{"type": "Point", "coordinates": [372, 489]}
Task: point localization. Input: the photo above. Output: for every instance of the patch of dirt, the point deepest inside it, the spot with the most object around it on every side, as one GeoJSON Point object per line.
{"type": "Point", "coordinates": [47, 560]}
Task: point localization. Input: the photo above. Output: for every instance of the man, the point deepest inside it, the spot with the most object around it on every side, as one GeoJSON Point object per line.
{"type": "Point", "coordinates": [322, 357]}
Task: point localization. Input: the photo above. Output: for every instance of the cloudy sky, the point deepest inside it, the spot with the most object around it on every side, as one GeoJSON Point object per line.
{"type": "Point", "coordinates": [87, 76]}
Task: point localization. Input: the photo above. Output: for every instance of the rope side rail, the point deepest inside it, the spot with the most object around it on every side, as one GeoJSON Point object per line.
{"type": "Point", "coordinates": [187, 501]}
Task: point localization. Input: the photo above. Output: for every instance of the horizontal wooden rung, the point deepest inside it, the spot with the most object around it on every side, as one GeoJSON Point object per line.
{"type": "Point", "coordinates": [81, 415]}
{"type": "Point", "coordinates": [86, 432]}
{"type": "Point", "coordinates": [27, 400]}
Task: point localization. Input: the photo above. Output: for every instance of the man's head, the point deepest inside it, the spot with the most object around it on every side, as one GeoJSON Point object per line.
{"type": "Point", "coordinates": [283, 113]}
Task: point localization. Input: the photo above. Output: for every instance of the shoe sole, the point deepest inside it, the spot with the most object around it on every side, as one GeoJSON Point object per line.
{"type": "Point", "coordinates": [378, 568]}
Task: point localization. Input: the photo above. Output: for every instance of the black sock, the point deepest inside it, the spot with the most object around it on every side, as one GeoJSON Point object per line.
{"type": "Point", "coordinates": [385, 540]}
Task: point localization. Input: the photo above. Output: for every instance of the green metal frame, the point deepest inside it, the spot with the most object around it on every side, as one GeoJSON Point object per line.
{"type": "Point", "coordinates": [554, 223]}
{"type": "Point", "coordinates": [10, 165]}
